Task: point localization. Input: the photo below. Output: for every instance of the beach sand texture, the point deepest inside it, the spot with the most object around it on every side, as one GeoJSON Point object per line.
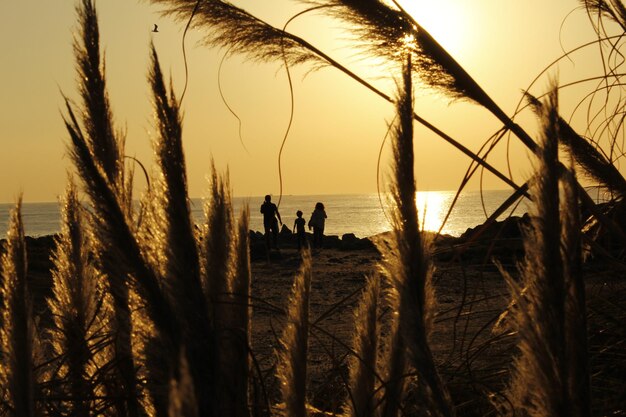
{"type": "Point", "coordinates": [471, 295]}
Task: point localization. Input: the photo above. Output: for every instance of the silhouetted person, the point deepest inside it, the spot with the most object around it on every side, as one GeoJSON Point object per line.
{"type": "Point", "coordinates": [270, 223]}
{"type": "Point", "coordinates": [298, 229]}
{"type": "Point", "coordinates": [317, 222]}
{"type": "Point", "coordinates": [156, 28]}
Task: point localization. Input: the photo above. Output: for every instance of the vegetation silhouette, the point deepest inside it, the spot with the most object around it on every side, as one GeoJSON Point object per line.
{"type": "Point", "coordinates": [150, 314]}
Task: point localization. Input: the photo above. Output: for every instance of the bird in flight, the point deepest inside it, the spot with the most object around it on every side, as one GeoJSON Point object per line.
{"type": "Point", "coordinates": [156, 28]}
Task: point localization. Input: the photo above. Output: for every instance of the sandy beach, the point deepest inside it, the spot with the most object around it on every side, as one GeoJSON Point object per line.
{"type": "Point", "coordinates": [470, 296]}
{"type": "Point", "coordinates": [471, 293]}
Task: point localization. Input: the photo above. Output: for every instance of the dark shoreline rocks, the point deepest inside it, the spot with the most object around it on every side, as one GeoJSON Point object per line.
{"type": "Point", "coordinates": [501, 240]}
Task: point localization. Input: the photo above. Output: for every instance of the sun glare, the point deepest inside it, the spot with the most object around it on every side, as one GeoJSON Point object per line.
{"type": "Point", "coordinates": [444, 20]}
{"type": "Point", "coordinates": [409, 41]}
{"type": "Point", "coordinates": [431, 209]}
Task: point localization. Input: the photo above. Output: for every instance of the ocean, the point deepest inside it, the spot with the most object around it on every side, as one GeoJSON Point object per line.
{"type": "Point", "coordinates": [364, 215]}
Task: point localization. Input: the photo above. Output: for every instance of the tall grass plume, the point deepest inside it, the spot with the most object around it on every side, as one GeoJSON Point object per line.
{"type": "Point", "coordinates": [79, 310]}
{"type": "Point", "coordinates": [17, 373]}
{"type": "Point", "coordinates": [292, 363]}
{"type": "Point", "coordinates": [549, 315]}
{"type": "Point", "coordinates": [408, 266]}
{"type": "Point", "coordinates": [363, 364]}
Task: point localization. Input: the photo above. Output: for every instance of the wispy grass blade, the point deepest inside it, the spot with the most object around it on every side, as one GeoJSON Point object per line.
{"type": "Point", "coordinates": [292, 362]}
{"type": "Point", "coordinates": [388, 30]}
{"type": "Point", "coordinates": [363, 367]}
{"type": "Point", "coordinates": [233, 324]}
{"type": "Point", "coordinates": [235, 28]}
{"type": "Point", "coordinates": [76, 307]}
{"type": "Point", "coordinates": [215, 252]}
{"type": "Point", "coordinates": [97, 119]}
{"type": "Point", "coordinates": [217, 241]}
{"type": "Point", "coordinates": [408, 266]}
{"type": "Point", "coordinates": [99, 157]}
{"type": "Point", "coordinates": [182, 400]}
{"type": "Point", "coordinates": [261, 41]}
{"type": "Point", "coordinates": [114, 228]}
{"type": "Point", "coordinates": [549, 314]}
{"type": "Point", "coordinates": [595, 165]}
{"type": "Point", "coordinates": [17, 333]}
{"type": "Point", "coordinates": [540, 319]}
{"type": "Point", "coordinates": [117, 248]}
{"type": "Point", "coordinates": [241, 319]}
{"type": "Point", "coordinates": [179, 255]}
{"type": "Point", "coordinates": [612, 9]}
{"type": "Point", "coordinates": [576, 336]}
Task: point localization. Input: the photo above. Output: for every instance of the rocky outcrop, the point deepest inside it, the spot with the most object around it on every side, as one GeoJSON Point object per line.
{"type": "Point", "coordinates": [288, 240]}
{"type": "Point", "coordinates": [500, 240]}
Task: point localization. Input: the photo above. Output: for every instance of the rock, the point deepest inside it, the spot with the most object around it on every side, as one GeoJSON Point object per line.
{"type": "Point", "coordinates": [349, 238]}
{"type": "Point", "coordinates": [331, 241]}
{"type": "Point", "coordinates": [350, 242]}
{"type": "Point", "coordinates": [285, 231]}
{"type": "Point", "coordinates": [509, 228]}
{"type": "Point", "coordinates": [501, 240]}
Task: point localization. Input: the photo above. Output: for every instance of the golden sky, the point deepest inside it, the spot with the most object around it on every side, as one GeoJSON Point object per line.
{"type": "Point", "coordinates": [338, 125]}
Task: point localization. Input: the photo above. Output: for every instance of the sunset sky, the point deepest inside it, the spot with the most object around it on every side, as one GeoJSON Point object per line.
{"type": "Point", "coordinates": [338, 125]}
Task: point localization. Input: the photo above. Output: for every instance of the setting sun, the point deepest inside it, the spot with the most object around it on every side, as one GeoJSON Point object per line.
{"type": "Point", "coordinates": [229, 208]}
{"type": "Point", "coordinates": [447, 21]}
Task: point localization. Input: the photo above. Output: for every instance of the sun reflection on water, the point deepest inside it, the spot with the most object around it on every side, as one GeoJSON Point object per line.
{"type": "Point", "coordinates": [432, 207]}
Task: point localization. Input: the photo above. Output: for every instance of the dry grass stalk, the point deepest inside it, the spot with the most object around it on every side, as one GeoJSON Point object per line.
{"type": "Point", "coordinates": [549, 313]}
{"type": "Point", "coordinates": [292, 362]}
{"type": "Point", "coordinates": [106, 146]}
{"type": "Point", "coordinates": [175, 232]}
{"type": "Point", "coordinates": [596, 166]}
{"type": "Point", "coordinates": [235, 28]}
{"type": "Point", "coordinates": [118, 249]}
{"type": "Point", "coordinates": [577, 354]}
{"type": "Point", "coordinates": [105, 149]}
{"type": "Point", "coordinates": [408, 266]}
{"type": "Point", "coordinates": [232, 310]}
{"type": "Point", "coordinates": [215, 253]}
{"type": "Point", "coordinates": [612, 9]}
{"type": "Point", "coordinates": [17, 374]}
{"type": "Point", "coordinates": [182, 399]}
{"type": "Point", "coordinates": [115, 232]}
{"type": "Point", "coordinates": [237, 335]}
{"type": "Point", "coordinates": [216, 236]}
{"type": "Point", "coordinates": [78, 309]}
{"type": "Point", "coordinates": [388, 30]}
{"type": "Point", "coordinates": [181, 289]}
{"type": "Point", "coordinates": [363, 363]}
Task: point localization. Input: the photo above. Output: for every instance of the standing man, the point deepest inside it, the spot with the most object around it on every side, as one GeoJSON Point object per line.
{"type": "Point", "coordinates": [270, 212]}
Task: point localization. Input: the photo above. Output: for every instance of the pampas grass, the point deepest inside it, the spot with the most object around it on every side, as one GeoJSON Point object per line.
{"type": "Point", "coordinates": [154, 318]}
{"type": "Point", "coordinates": [363, 363]}
{"type": "Point", "coordinates": [236, 28]}
{"type": "Point", "coordinates": [550, 376]}
{"type": "Point", "coordinates": [174, 231]}
{"type": "Point", "coordinates": [408, 267]}
{"type": "Point", "coordinates": [17, 332]}
{"type": "Point", "coordinates": [79, 311]}
{"type": "Point", "coordinates": [106, 146]}
{"type": "Point", "coordinates": [236, 334]}
{"type": "Point", "coordinates": [292, 363]}
{"type": "Point", "coordinates": [183, 283]}
{"type": "Point", "coordinates": [596, 166]}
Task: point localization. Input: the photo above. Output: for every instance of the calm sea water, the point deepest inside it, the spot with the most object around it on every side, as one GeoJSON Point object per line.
{"type": "Point", "coordinates": [362, 215]}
